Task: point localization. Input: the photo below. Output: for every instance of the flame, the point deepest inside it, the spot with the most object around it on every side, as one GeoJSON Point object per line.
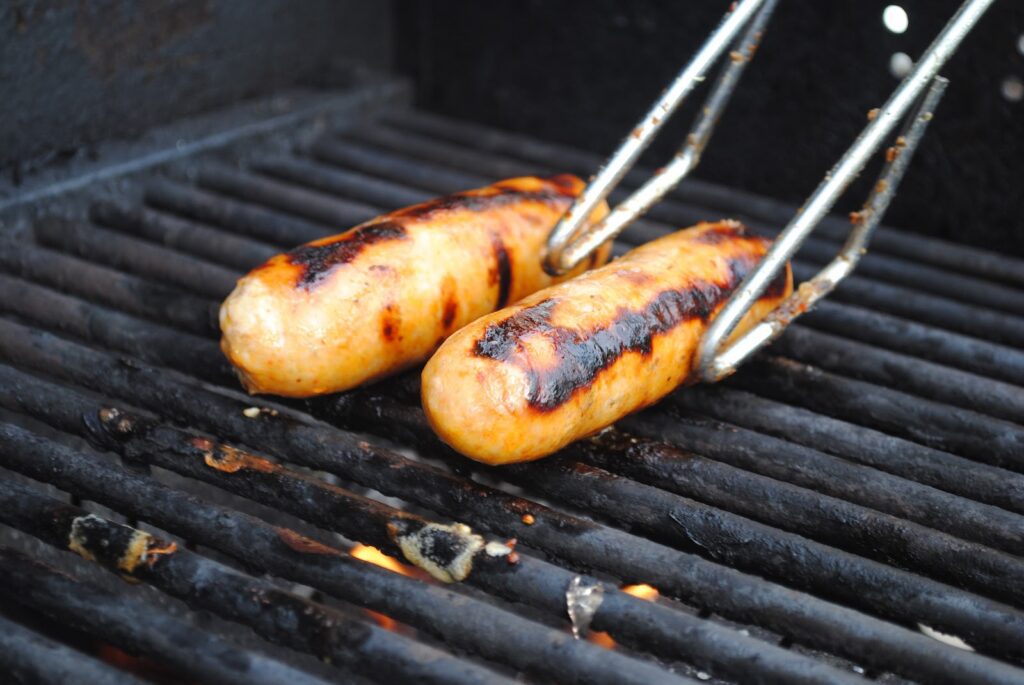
{"type": "Point", "coordinates": [145, 668]}
{"type": "Point", "coordinates": [642, 591]}
{"type": "Point", "coordinates": [601, 639]}
{"type": "Point", "coordinates": [378, 558]}
{"type": "Point", "coordinates": [374, 556]}
{"type": "Point", "coordinates": [384, 621]}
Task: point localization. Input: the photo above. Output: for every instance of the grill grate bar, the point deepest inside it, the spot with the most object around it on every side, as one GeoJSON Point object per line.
{"type": "Point", "coordinates": [339, 182]}
{"type": "Point", "coordinates": [198, 238]}
{"type": "Point", "coordinates": [135, 256]}
{"type": "Point", "coordinates": [968, 319]}
{"type": "Point", "coordinates": [138, 626]}
{"type": "Point", "coordinates": [818, 250]}
{"type": "Point", "coordinates": [919, 340]}
{"type": "Point", "coordinates": [274, 613]}
{"type": "Point", "coordinates": [150, 341]}
{"type": "Point", "coordinates": [953, 316]}
{"type": "Point", "coordinates": [26, 656]}
{"type": "Point", "coordinates": [202, 205]}
{"type": "Point", "coordinates": [460, 620]}
{"type": "Point", "coordinates": [901, 300]}
{"type": "Point", "coordinates": [916, 248]}
{"type": "Point", "coordinates": [161, 346]}
{"type": "Point", "coordinates": [739, 542]}
{"type": "Point", "coordinates": [915, 376]}
{"type": "Point", "coordinates": [978, 390]}
{"type": "Point", "coordinates": [330, 211]}
{"type": "Point", "coordinates": [806, 619]}
{"type": "Point", "coordinates": [932, 557]}
{"type": "Point", "coordinates": [903, 272]}
{"type": "Point", "coordinates": [183, 235]}
{"type": "Point", "coordinates": [655, 628]}
{"type": "Point", "coordinates": [970, 353]}
{"type": "Point", "coordinates": [964, 390]}
{"type": "Point", "coordinates": [963, 432]}
{"type": "Point", "coordinates": [106, 286]}
{"type": "Point", "coordinates": [992, 391]}
{"type": "Point", "coordinates": [805, 435]}
{"type": "Point", "coordinates": [813, 470]}
{"type": "Point", "coordinates": [434, 177]}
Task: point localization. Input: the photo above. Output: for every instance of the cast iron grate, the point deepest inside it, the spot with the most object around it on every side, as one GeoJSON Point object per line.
{"type": "Point", "coordinates": [801, 521]}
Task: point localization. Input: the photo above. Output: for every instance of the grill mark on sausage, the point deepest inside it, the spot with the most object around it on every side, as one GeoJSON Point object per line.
{"type": "Point", "coordinates": [726, 232]}
{"type": "Point", "coordinates": [501, 271]}
{"type": "Point", "coordinates": [583, 355]}
{"type": "Point", "coordinates": [317, 261]}
{"type": "Point", "coordinates": [449, 302]}
{"type": "Point", "coordinates": [777, 287]}
{"type": "Point", "coordinates": [390, 322]}
{"type": "Point", "coordinates": [448, 317]}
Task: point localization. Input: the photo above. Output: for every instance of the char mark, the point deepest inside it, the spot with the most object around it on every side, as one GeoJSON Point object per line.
{"type": "Point", "coordinates": [318, 260]}
{"type": "Point", "coordinates": [582, 355]}
{"type": "Point", "coordinates": [390, 322]}
{"type": "Point", "coordinates": [777, 288]}
{"type": "Point", "coordinates": [739, 267]}
{"type": "Point", "coordinates": [501, 272]}
{"type": "Point", "coordinates": [448, 315]}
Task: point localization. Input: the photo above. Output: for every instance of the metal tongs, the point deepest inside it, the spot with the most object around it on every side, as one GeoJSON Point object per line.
{"type": "Point", "coordinates": [913, 103]}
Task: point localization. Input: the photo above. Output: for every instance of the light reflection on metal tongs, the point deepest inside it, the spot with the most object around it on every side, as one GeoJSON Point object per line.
{"type": "Point", "coordinates": [913, 102]}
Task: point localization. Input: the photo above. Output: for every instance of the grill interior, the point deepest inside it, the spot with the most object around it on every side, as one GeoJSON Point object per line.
{"type": "Point", "coordinates": [816, 518]}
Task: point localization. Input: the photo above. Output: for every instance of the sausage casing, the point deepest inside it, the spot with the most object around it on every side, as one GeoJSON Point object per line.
{"type": "Point", "coordinates": [380, 297]}
{"type": "Point", "coordinates": [572, 359]}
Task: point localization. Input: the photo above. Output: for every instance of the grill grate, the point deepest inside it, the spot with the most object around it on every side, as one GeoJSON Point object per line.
{"type": "Point", "coordinates": [800, 521]}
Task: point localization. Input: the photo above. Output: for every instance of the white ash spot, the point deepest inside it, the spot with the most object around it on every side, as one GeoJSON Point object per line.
{"type": "Point", "coordinates": [497, 549]}
{"type": "Point", "coordinates": [445, 552]}
{"type": "Point", "coordinates": [951, 640]}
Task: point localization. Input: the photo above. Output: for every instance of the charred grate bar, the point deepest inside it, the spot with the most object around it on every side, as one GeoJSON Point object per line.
{"type": "Point", "coordinates": [800, 521]}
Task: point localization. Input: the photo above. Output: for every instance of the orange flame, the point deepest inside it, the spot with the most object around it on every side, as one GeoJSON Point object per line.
{"type": "Point", "coordinates": [601, 639]}
{"type": "Point", "coordinates": [377, 558]}
{"type": "Point", "coordinates": [646, 592]}
{"type": "Point", "coordinates": [145, 668]}
{"type": "Point", "coordinates": [642, 591]}
{"type": "Point", "coordinates": [384, 621]}
{"type": "Point", "coordinates": [374, 556]}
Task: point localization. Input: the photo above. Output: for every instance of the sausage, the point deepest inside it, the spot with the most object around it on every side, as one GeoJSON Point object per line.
{"type": "Point", "coordinates": [347, 309]}
{"type": "Point", "coordinates": [569, 360]}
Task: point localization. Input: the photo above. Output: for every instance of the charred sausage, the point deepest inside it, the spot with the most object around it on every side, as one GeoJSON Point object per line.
{"type": "Point", "coordinates": [572, 359]}
{"type": "Point", "coordinates": [353, 307]}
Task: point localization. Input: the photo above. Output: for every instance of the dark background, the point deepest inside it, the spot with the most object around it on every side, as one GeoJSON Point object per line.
{"type": "Point", "coordinates": [77, 72]}
{"type": "Point", "coordinates": [583, 72]}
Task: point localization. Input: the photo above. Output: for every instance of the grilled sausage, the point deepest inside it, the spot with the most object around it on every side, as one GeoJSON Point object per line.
{"type": "Point", "coordinates": [572, 359]}
{"type": "Point", "coordinates": [353, 307]}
